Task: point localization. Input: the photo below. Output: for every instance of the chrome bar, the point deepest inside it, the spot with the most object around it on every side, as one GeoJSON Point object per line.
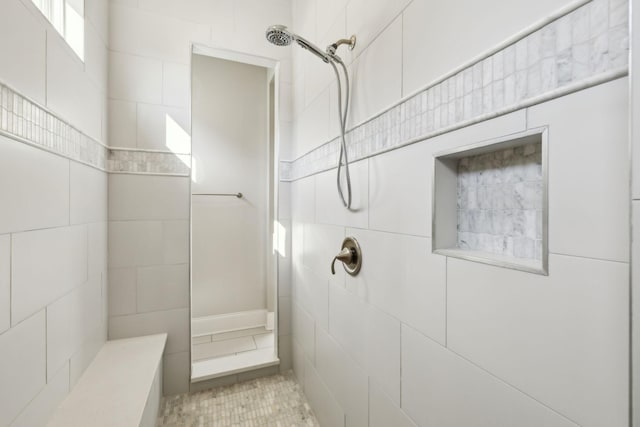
{"type": "Point", "coordinates": [238, 195]}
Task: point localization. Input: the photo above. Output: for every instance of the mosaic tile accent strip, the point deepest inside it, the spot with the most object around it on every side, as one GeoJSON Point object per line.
{"type": "Point", "coordinates": [500, 202]}
{"type": "Point", "coordinates": [148, 162]}
{"type": "Point", "coordinates": [26, 121]}
{"type": "Point", "coordinates": [33, 124]}
{"type": "Point", "coordinates": [270, 401]}
{"type": "Point", "coordinates": [583, 48]}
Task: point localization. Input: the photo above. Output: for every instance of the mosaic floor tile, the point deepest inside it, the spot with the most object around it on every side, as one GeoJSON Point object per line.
{"type": "Point", "coordinates": [269, 401]}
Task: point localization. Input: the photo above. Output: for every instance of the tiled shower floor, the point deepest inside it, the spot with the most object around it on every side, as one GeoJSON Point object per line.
{"type": "Point", "coordinates": [269, 401]}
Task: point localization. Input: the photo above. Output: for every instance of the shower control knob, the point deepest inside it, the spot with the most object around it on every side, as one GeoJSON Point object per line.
{"type": "Point", "coordinates": [350, 256]}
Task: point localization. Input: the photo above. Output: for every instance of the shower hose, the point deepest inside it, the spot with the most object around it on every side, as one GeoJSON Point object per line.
{"type": "Point", "coordinates": [346, 201]}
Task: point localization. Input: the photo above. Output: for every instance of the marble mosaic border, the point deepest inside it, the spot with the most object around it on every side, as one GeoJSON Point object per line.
{"type": "Point", "coordinates": [148, 162]}
{"type": "Point", "coordinates": [583, 48]}
{"type": "Point", "coordinates": [25, 120]}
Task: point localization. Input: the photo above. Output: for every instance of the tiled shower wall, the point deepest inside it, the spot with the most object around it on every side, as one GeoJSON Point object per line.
{"type": "Point", "coordinates": [149, 98]}
{"type": "Point", "coordinates": [423, 339]}
{"type": "Point", "coordinates": [53, 220]}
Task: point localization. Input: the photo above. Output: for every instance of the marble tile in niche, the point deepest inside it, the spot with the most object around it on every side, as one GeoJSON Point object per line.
{"type": "Point", "coordinates": [499, 201]}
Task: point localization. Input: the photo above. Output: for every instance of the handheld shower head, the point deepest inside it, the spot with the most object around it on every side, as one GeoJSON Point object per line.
{"type": "Point", "coordinates": [279, 35]}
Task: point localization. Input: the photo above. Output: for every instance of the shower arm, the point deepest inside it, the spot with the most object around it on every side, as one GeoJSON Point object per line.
{"type": "Point", "coordinates": [351, 42]}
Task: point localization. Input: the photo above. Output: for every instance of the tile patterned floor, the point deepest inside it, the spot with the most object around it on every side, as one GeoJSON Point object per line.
{"type": "Point", "coordinates": [269, 401]}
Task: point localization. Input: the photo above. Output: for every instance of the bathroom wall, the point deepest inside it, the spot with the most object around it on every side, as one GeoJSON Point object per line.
{"type": "Point", "coordinates": [149, 87]}
{"type": "Point", "coordinates": [424, 339]}
{"type": "Point", "coordinates": [53, 230]}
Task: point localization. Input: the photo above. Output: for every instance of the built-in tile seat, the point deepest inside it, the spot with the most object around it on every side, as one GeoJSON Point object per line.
{"type": "Point", "coordinates": [122, 387]}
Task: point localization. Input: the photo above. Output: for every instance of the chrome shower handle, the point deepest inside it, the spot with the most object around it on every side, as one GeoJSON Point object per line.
{"type": "Point", "coordinates": [345, 256]}
{"type": "Point", "coordinates": [350, 255]}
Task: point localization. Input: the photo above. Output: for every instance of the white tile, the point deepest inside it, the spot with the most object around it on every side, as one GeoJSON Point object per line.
{"type": "Point", "coordinates": [329, 207]}
{"type": "Point", "coordinates": [71, 93]}
{"type": "Point", "coordinates": [320, 244]}
{"type": "Point", "coordinates": [284, 315]}
{"type": "Point", "coordinates": [285, 352]}
{"type": "Point", "coordinates": [122, 291]}
{"type": "Point", "coordinates": [98, 235]}
{"type": "Point", "coordinates": [326, 17]}
{"type": "Point", "coordinates": [162, 287]}
{"type": "Point", "coordinates": [25, 72]}
{"type": "Point", "coordinates": [284, 202]}
{"type": "Point", "coordinates": [347, 382]}
{"type": "Point", "coordinates": [264, 340]}
{"type": "Point", "coordinates": [402, 277]}
{"type": "Point", "coordinates": [311, 128]}
{"type": "Point", "coordinates": [154, 35]}
{"type": "Point", "coordinates": [304, 331]}
{"type": "Point", "coordinates": [303, 199]}
{"type": "Point", "coordinates": [515, 325]}
{"type": "Point", "coordinates": [235, 334]}
{"type": "Point", "coordinates": [38, 196]}
{"type": "Point", "coordinates": [22, 365]}
{"type": "Point", "coordinates": [367, 19]}
{"type": "Point", "coordinates": [175, 237]}
{"type": "Point", "coordinates": [138, 197]}
{"type": "Point", "coordinates": [135, 243]}
{"type": "Point", "coordinates": [88, 194]}
{"type": "Point", "coordinates": [175, 373]}
{"type": "Point", "coordinates": [142, 243]}
{"type": "Point", "coordinates": [163, 128]}
{"type": "Point", "coordinates": [298, 360]}
{"type": "Point", "coordinates": [135, 78]}
{"type": "Point", "coordinates": [97, 12]}
{"type": "Point", "coordinates": [176, 83]}
{"type": "Point", "coordinates": [440, 388]}
{"type": "Point", "coordinates": [369, 335]}
{"type": "Point", "coordinates": [96, 56]}
{"type": "Point", "coordinates": [588, 162]}
{"type": "Point", "coordinates": [200, 340]}
{"type": "Point", "coordinates": [45, 265]}
{"type": "Point", "coordinates": [122, 124]}
{"type": "Point", "coordinates": [175, 323]}
{"type": "Point", "coordinates": [75, 330]}
{"type": "Point", "coordinates": [82, 358]}
{"type": "Point", "coordinates": [376, 75]}
{"type": "Point", "coordinates": [324, 405]}
{"type": "Point", "coordinates": [64, 330]}
{"type": "Point", "coordinates": [222, 348]}
{"type": "Point", "coordinates": [383, 412]}
{"type": "Point", "coordinates": [318, 76]}
{"type": "Point", "coordinates": [5, 282]}
{"type": "Point", "coordinates": [42, 406]}
{"type": "Point", "coordinates": [425, 25]}
{"type": "Point", "coordinates": [312, 294]}
{"type": "Point", "coordinates": [400, 191]}
{"type": "Point", "coordinates": [285, 113]}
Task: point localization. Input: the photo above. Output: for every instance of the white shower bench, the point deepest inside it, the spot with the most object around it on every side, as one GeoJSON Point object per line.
{"type": "Point", "coordinates": [122, 387]}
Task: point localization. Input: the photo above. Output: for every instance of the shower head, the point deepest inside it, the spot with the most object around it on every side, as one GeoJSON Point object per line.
{"type": "Point", "coordinates": [279, 35]}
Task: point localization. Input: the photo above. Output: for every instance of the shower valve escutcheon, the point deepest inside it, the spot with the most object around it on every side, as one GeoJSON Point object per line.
{"type": "Point", "coordinates": [350, 256]}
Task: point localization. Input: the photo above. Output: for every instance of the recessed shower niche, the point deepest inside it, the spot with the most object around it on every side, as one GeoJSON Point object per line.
{"type": "Point", "coordinates": [490, 202]}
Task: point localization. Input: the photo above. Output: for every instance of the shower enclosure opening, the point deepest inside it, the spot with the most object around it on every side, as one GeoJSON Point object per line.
{"type": "Point", "coordinates": [233, 209]}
